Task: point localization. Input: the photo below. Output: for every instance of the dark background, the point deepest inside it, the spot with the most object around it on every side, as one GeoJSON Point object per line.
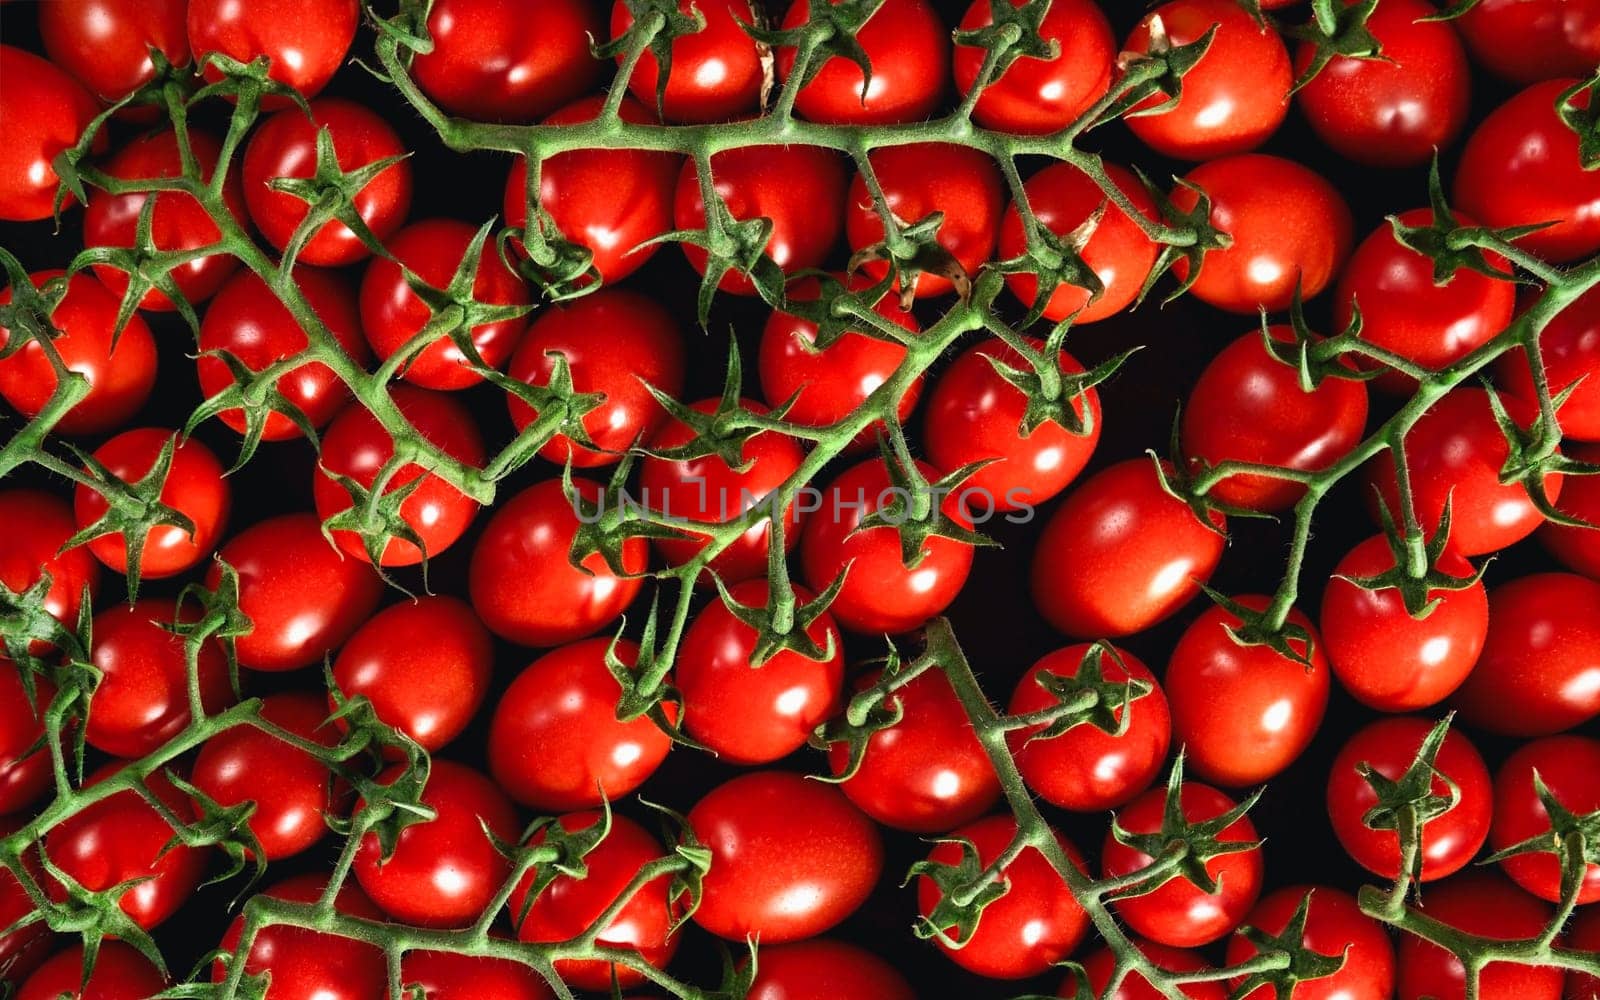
{"type": "Point", "coordinates": [994, 618]}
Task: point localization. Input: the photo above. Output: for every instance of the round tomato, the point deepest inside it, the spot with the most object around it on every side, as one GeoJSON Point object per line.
{"type": "Point", "coordinates": [22, 948]}
{"type": "Point", "coordinates": [305, 41]}
{"type": "Point", "coordinates": [1040, 96]}
{"type": "Point", "coordinates": [46, 111]}
{"type": "Point", "coordinates": [825, 970]}
{"type": "Point", "coordinates": [1531, 40]}
{"type": "Point", "coordinates": [444, 975]}
{"type": "Point", "coordinates": [24, 763]}
{"type": "Point", "coordinates": [1484, 904]}
{"type": "Point", "coordinates": [194, 487]}
{"type": "Point", "coordinates": [503, 60]}
{"type": "Point", "coordinates": [120, 973]}
{"type": "Point", "coordinates": [1577, 548]}
{"type": "Point", "coordinates": [306, 964]}
{"type": "Point", "coordinates": [1334, 927]}
{"type": "Point", "coordinates": [1569, 345]}
{"type": "Point", "coordinates": [26, 557]}
{"type": "Point", "coordinates": [909, 50]}
{"type": "Point", "coordinates": [715, 73]}
{"type": "Point", "coordinates": [1100, 964]}
{"type": "Point", "coordinates": [1569, 766]}
{"type": "Point", "coordinates": [106, 43]}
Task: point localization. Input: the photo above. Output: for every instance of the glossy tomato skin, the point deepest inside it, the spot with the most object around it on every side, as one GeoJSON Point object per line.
{"type": "Point", "coordinates": [1179, 913]}
{"type": "Point", "coordinates": [120, 377]}
{"type": "Point", "coordinates": [909, 49]}
{"type": "Point", "coordinates": [715, 73]}
{"type": "Point", "coordinates": [556, 744]}
{"type": "Point", "coordinates": [770, 833]}
{"type": "Point", "coordinates": [1530, 40]}
{"type": "Point", "coordinates": [1384, 657]}
{"type": "Point", "coordinates": [106, 43]}
{"type": "Point", "coordinates": [120, 973]}
{"type": "Point", "coordinates": [1248, 406]}
{"type": "Point", "coordinates": [444, 975]}
{"type": "Point", "coordinates": [1100, 964]}
{"type": "Point", "coordinates": [26, 557]}
{"type": "Point", "coordinates": [1569, 766]}
{"type": "Point", "coordinates": [305, 41]}
{"type": "Point", "coordinates": [1040, 96]}
{"type": "Point", "coordinates": [303, 595]}
{"type": "Point", "coordinates": [305, 964]}
{"type": "Point", "coordinates": [142, 699]}
{"type": "Point", "coordinates": [357, 446]}
{"type": "Point", "coordinates": [285, 145]}
{"type": "Point", "coordinates": [521, 583]}
{"type": "Point", "coordinates": [1389, 747]}
{"type": "Point", "coordinates": [1570, 348]}
{"type": "Point", "coordinates": [1120, 254]}
{"type": "Point", "coordinates": [1235, 96]}
{"type": "Point", "coordinates": [45, 111]}
{"type": "Point", "coordinates": [24, 948]}
{"type": "Point", "coordinates": [194, 487]}
{"type": "Point", "coordinates": [24, 770]}
{"type": "Point", "coordinates": [1288, 224]}
{"type": "Point", "coordinates": [1577, 548]}
{"type": "Point", "coordinates": [1121, 554]}
{"type": "Point", "coordinates": [1086, 768]}
{"type": "Point", "coordinates": [1485, 904]}
{"type": "Point", "coordinates": [249, 322]}
{"type": "Point", "coordinates": [821, 969]}
{"type": "Point", "coordinates": [1334, 926]}
{"type": "Point", "coordinates": [502, 60]}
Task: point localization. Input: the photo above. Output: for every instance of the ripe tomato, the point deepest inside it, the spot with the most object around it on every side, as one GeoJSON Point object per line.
{"type": "Point", "coordinates": [46, 111]}
{"type": "Point", "coordinates": [790, 857]}
{"type": "Point", "coordinates": [1121, 553]}
{"type": "Point", "coordinates": [285, 145]}
{"type": "Point", "coordinates": [1396, 111]}
{"type": "Point", "coordinates": [177, 223]}
{"type": "Point", "coordinates": [1569, 766]}
{"type": "Point", "coordinates": [1384, 657]}
{"type": "Point", "coordinates": [1086, 768]}
{"type": "Point", "coordinates": [444, 975]}
{"type": "Point", "coordinates": [24, 763]}
{"type": "Point", "coordinates": [1577, 548]}
{"type": "Point", "coordinates": [303, 596]}
{"type": "Point", "coordinates": [569, 905]}
{"type": "Point", "coordinates": [909, 49]}
{"type": "Point", "coordinates": [825, 970]}
{"type": "Point", "coordinates": [556, 743]}
{"type": "Point", "coordinates": [1180, 913]}
{"type": "Point", "coordinates": [1288, 224]}
{"type": "Point", "coordinates": [1389, 747]}
{"type": "Point", "coordinates": [391, 313]}
{"type": "Point", "coordinates": [1101, 963]}
{"type": "Point", "coordinates": [22, 949]}
{"type": "Point", "coordinates": [1569, 345]}
{"type": "Point", "coordinates": [305, 964]}
{"type": "Point", "coordinates": [305, 41]}
{"type": "Point", "coordinates": [358, 447]}
{"type": "Point", "coordinates": [1536, 675]}
{"type": "Point", "coordinates": [715, 73]}
{"type": "Point", "coordinates": [918, 180]}
{"type": "Point", "coordinates": [194, 487]}
{"type": "Point", "coordinates": [1530, 40]}
{"type": "Point", "coordinates": [1488, 905]}
{"type": "Point", "coordinates": [293, 791]}
{"type": "Point", "coordinates": [1583, 934]}
{"type": "Point", "coordinates": [750, 714]}
{"type": "Point", "coordinates": [26, 557]}
{"type": "Point", "coordinates": [560, 602]}
{"type": "Point", "coordinates": [142, 699]}
{"type": "Point", "coordinates": [1040, 96]}
{"type": "Point", "coordinates": [120, 973]}
{"type": "Point", "coordinates": [1334, 926]}
{"type": "Point", "coordinates": [120, 377]}
{"type": "Point", "coordinates": [1062, 198]}
{"type": "Point", "coordinates": [881, 593]}
{"type": "Point", "coordinates": [1231, 100]}
{"type": "Point", "coordinates": [106, 43]}
{"type": "Point", "coordinates": [501, 60]}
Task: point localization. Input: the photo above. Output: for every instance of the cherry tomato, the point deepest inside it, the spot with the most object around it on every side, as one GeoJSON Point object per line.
{"type": "Point", "coordinates": [22, 948]}
{"type": "Point", "coordinates": [106, 43]}
{"type": "Point", "coordinates": [1570, 348]}
{"type": "Point", "coordinates": [909, 49]}
{"type": "Point", "coordinates": [120, 376]}
{"type": "Point", "coordinates": [790, 857]}
{"type": "Point", "coordinates": [24, 762]}
{"type": "Point", "coordinates": [825, 970]}
{"type": "Point", "coordinates": [502, 60]}
{"type": "Point", "coordinates": [715, 74]}
{"type": "Point", "coordinates": [560, 602]}
{"type": "Point", "coordinates": [45, 111]}
{"type": "Point", "coordinates": [120, 973]}
{"type": "Point", "coordinates": [1100, 964]}
{"type": "Point", "coordinates": [1335, 927]}
{"type": "Point", "coordinates": [26, 557]}
{"type": "Point", "coordinates": [306, 964]}
{"type": "Point", "coordinates": [1530, 40]}
{"type": "Point", "coordinates": [1577, 548]}
{"type": "Point", "coordinates": [444, 975]}
{"type": "Point", "coordinates": [1389, 747]}
{"type": "Point", "coordinates": [1180, 913]}
{"type": "Point", "coordinates": [357, 447]}
{"type": "Point", "coordinates": [1040, 96]}
{"type": "Point", "coordinates": [305, 41]}
{"type": "Point", "coordinates": [1569, 766]}
{"type": "Point", "coordinates": [1122, 554]}
{"type": "Point", "coordinates": [1490, 906]}
{"type": "Point", "coordinates": [194, 487]}
{"type": "Point", "coordinates": [1583, 934]}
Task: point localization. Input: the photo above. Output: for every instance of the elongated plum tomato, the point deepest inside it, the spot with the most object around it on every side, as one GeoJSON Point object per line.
{"type": "Point", "coordinates": [22, 946]}
{"type": "Point", "coordinates": [1105, 760]}
{"type": "Point", "coordinates": [26, 557]}
{"type": "Point", "coordinates": [611, 202]}
{"type": "Point", "coordinates": [24, 760]}
{"type": "Point", "coordinates": [909, 50]}
{"type": "Point", "coordinates": [445, 975]}
{"type": "Point", "coordinates": [1569, 767]}
{"type": "Point", "coordinates": [1063, 199]}
{"type": "Point", "coordinates": [1334, 927]}
{"type": "Point", "coordinates": [1100, 964]}
{"type": "Point", "coordinates": [45, 111]}
{"type": "Point", "coordinates": [556, 743]}
{"type": "Point", "coordinates": [193, 485]}
{"type": "Point", "coordinates": [1232, 99]}
{"type": "Point", "coordinates": [715, 73]}
{"type": "Point", "coordinates": [357, 447]}
{"type": "Point", "coordinates": [823, 968]}
{"type": "Point", "coordinates": [309, 965]}
{"type": "Point", "coordinates": [249, 322]}
{"type": "Point", "coordinates": [1569, 345]}
{"type": "Point", "coordinates": [305, 41]}
{"type": "Point", "coordinates": [1249, 406]}
{"type": "Point", "coordinates": [505, 60]}
{"type": "Point", "coordinates": [1121, 553]}
{"type": "Point", "coordinates": [120, 973]}
{"type": "Point", "coordinates": [1526, 41]}
{"type": "Point", "coordinates": [106, 43]}
{"type": "Point", "coordinates": [1484, 904]}
{"type": "Point", "coordinates": [120, 377]}
{"type": "Point", "coordinates": [1039, 96]}
{"type": "Point", "coordinates": [1577, 548]}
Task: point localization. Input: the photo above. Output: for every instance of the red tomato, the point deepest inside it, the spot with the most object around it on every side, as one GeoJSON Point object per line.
{"type": "Point", "coordinates": [918, 180]}
{"type": "Point", "coordinates": [1248, 406]}
{"type": "Point", "coordinates": [503, 60]}
{"type": "Point", "coordinates": [285, 145]}
{"type": "Point", "coordinates": [357, 446]}
{"type": "Point", "coordinates": [881, 593]}
{"type": "Point", "coordinates": [1540, 664]}
{"type": "Point", "coordinates": [303, 596]}
{"type": "Point", "coordinates": [26, 557]}
{"type": "Point", "coordinates": [391, 313]}
{"type": "Point", "coordinates": [247, 320]}
{"type": "Point", "coordinates": [142, 699]}
{"type": "Point", "coordinates": [1235, 96]}
{"type": "Point", "coordinates": [1521, 166]}
{"type": "Point", "coordinates": [1288, 224]}
{"type": "Point", "coordinates": [1100, 964]}
{"type": "Point", "coordinates": [120, 378]}
{"type": "Point", "coordinates": [24, 763]}
{"type": "Point", "coordinates": [1180, 913]}
{"type": "Point", "coordinates": [1583, 934]}
{"type": "Point", "coordinates": [177, 223]}
{"type": "Point", "coordinates": [306, 964]}
{"type": "Point", "coordinates": [106, 43]}
{"type": "Point", "coordinates": [1487, 905]}
{"type": "Point", "coordinates": [45, 111]}
{"type": "Point", "coordinates": [556, 743]}
{"type": "Point", "coordinates": [1577, 548]}
{"type": "Point", "coordinates": [790, 857]}
{"type": "Point", "coordinates": [825, 970]}
{"type": "Point", "coordinates": [715, 73]}
{"type": "Point", "coordinates": [305, 41]}
{"type": "Point", "coordinates": [1122, 554]}
{"type": "Point", "coordinates": [749, 714]}
{"type": "Point", "coordinates": [569, 905]}
{"type": "Point", "coordinates": [120, 973]}
{"type": "Point", "coordinates": [909, 49]}
{"type": "Point", "coordinates": [1335, 927]}
{"type": "Point", "coordinates": [1389, 747]}
{"type": "Point", "coordinates": [194, 487]}
{"type": "Point", "coordinates": [1062, 198]}
{"type": "Point", "coordinates": [1396, 111]}
{"type": "Point", "coordinates": [1086, 768]}
{"type": "Point", "coordinates": [21, 949]}
{"type": "Point", "coordinates": [444, 975]}
{"type": "Point", "coordinates": [560, 602]}
{"type": "Point", "coordinates": [1040, 96]}
{"type": "Point", "coordinates": [1570, 348]}
{"type": "Point", "coordinates": [1384, 657]}
{"type": "Point", "coordinates": [1530, 40]}
{"type": "Point", "coordinates": [1570, 768]}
